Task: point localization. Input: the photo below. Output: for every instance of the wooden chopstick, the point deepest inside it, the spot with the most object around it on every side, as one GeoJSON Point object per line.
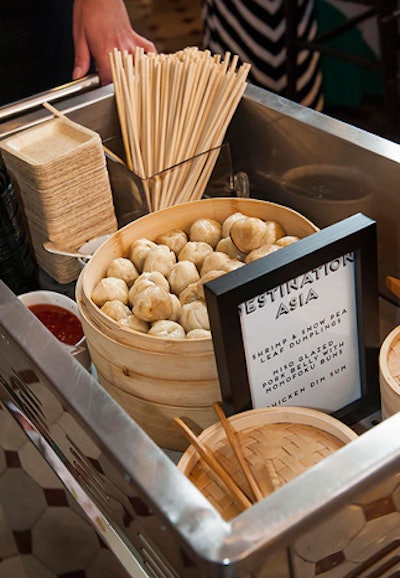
{"type": "Point", "coordinates": [171, 108]}
{"type": "Point", "coordinates": [237, 494]}
{"type": "Point", "coordinates": [237, 450]}
{"type": "Point", "coordinates": [232, 438]}
{"type": "Point", "coordinates": [119, 99]}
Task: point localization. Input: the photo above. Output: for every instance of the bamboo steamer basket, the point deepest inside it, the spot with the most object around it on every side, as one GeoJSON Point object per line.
{"type": "Point", "coordinates": [389, 373]}
{"type": "Point", "coordinates": [153, 378]}
{"type": "Point", "coordinates": [278, 444]}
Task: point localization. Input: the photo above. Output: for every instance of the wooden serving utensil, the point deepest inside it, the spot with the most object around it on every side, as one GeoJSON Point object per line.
{"type": "Point", "coordinates": [237, 450]}
{"type": "Point", "coordinates": [208, 456]}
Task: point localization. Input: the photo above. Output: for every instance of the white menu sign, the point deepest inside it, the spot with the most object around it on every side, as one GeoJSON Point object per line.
{"type": "Point", "coordinates": [301, 342]}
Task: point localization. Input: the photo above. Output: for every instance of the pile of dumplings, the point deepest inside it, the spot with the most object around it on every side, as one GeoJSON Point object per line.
{"type": "Point", "coordinates": [158, 287]}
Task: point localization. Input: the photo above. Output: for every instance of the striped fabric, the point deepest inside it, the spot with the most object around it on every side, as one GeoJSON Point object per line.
{"type": "Point", "coordinates": [255, 31]}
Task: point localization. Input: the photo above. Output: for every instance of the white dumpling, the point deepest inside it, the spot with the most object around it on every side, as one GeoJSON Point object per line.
{"type": "Point", "coordinates": [261, 252]}
{"type": "Point", "coordinates": [181, 275]}
{"type": "Point", "coordinates": [160, 259]}
{"type": "Point", "coordinates": [152, 304]}
{"type": "Point", "coordinates": [194, 316]}
{"type": "Point", "coordinates": [226, 245]}
{"type": "Point", "coordinates": [198, 334]}
{"type": "Point", "coordinates": [232, 265]}
{"type": "Point", "coordinates": [134, 324]}
{"type": "Point", "coordinates": [175, 239]}
{"type": "Point", "coordinates": [286, 240]}
{"type": "Point", "coordinates": [206, 230]}
{"type": "Point", "coordinates": [248, 233]}
{"type": "Point", "coordinates": [176, 307]}
{"type": "Point", "coordinates": [147, 280]}
{"type": "Point", "coordinates": [196, 252]}
{"type": "Point", "coordinates": [167, 329]}
{"type": "Point", "coordinates": [193, 292]}
{"type": "Point", "coordinates": [273, 232]}
{"type": "Point", "coordinates": [138, 251]}
{"type": "Point", "coordinates": [214, 262]}
{"type": "Point", "coordinates": [123, 268]}
{"type": "Point", "coordinates": [115, 310]}
{"type": "Point", "coordinates": [227, 224]}
{"type": "Point", "coordinates": [209, 276]}
{"type": "Point", "coordinates": [110, 289]}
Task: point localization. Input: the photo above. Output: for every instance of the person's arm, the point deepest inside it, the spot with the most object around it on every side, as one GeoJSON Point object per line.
{"type": "Point", "coordinates": [99, 26]}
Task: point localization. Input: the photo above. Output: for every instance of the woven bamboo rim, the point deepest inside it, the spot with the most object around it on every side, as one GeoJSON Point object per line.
{"type": "Point", "coordinates": [389, 360]}
{"type": "Point", "coordinates": [278, 445]}
{"type": "Point", "coordinates": [389, 373]}
{"type": "Point", "coordinates": [154, 224]}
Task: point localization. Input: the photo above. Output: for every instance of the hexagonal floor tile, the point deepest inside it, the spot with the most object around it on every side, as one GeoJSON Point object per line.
{"type": "Point", "coordinates": [12, 567]}
{"type": "Point", "coordinates": [63, 542]}
{"type": "Point", "coordinates": [104, 565]}
{"type": "Point", "coordinates": [22, 499]}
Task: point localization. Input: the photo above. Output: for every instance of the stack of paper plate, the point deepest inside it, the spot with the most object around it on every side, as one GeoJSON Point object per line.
{"type": "Point", "coordinates": [59, 170]}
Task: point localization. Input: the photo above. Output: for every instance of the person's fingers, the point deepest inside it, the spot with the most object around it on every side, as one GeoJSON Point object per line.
{"type": "Point", "coordinates": [103, 60]}
{"type": "Point", "coordinates": [81, 59]}
{"type": "Point", "coordinates": [146, 44]}
{"type": "Point", "coordinates": [104, 70]}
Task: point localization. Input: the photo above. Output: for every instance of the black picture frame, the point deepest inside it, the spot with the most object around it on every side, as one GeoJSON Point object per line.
{"type": "Point", "coordinates": [225, 296]}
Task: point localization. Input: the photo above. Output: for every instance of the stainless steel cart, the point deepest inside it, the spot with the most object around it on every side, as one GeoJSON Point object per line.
{"type": "Point", "coordinates": [339, 519]}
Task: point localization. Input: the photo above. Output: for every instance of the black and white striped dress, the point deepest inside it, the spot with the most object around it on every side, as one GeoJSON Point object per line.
{"type": "Point", "coordinates": [255, 31]}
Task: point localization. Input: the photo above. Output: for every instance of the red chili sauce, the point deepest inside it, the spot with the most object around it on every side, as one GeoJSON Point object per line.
{"type": "Point", "coordinates": [61, 322]}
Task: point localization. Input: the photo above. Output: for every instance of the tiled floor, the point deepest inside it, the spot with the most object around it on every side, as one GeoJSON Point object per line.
{"type": "Point", "coordinates": [43, 533]}
{"type": "Point", "coordinates": [170, 24]}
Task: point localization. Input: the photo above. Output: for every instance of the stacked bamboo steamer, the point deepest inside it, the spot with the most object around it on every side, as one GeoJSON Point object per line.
{"type": "Point", "coordinates": [278, 444]}
{"type": "Point", "coordinates": [389, 362]}
{"type": "Point", "coordinates": [153, 378]}
{"type": "Point", "coordinates": [59, 170]}
{"type": "Point", "coordinates": [389, 373]}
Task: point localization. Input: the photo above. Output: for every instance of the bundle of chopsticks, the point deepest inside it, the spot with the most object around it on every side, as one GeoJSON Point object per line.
{"type": "Point", "coordinates": [174, 110]}
{"type": "Point", "coordinates": [242, 499]}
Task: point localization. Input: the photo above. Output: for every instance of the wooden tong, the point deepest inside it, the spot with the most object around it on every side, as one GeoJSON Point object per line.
{"type": "Point", "coordinates": [237, 494]}
{"type": "Point", "coordinates": [237, 450]}
{"type": "Point", "coordinates": [241, 499]}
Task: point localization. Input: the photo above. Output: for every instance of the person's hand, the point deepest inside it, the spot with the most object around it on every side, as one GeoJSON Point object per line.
{"type": "Point", "coordinates": [99, 26]}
